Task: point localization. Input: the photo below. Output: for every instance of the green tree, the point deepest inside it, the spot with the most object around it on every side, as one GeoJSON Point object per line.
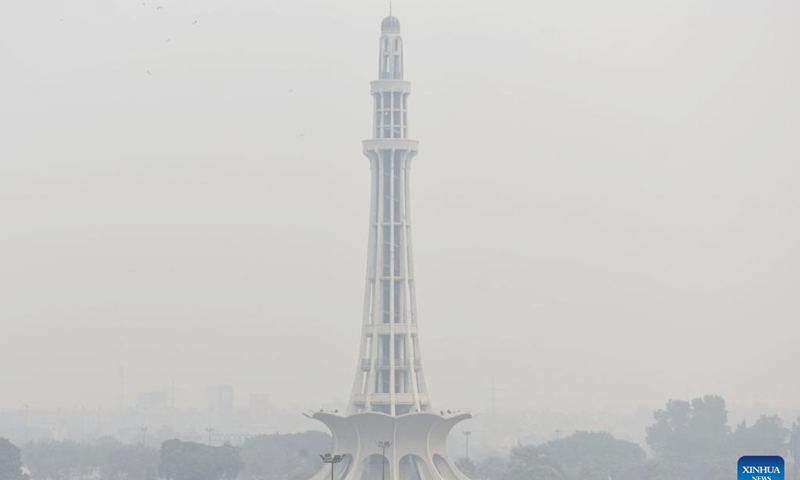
{"type": "Point", "coordinates": [594, 455]}
{"type": "Point", "coordinates": [794, 445]}
{"type": "Point", "coordinates": [709, 468]}
{"type": "Point", "coordinates": [130, 462]}
{"type": "Point", "coordinates": [289, 456]}
{"type": "Point", "coordinates": [10, 461]}
{"type": "Point", "coordinates": [690, 429]}
{"type": "Point", "coordinates": [467, 467]}
{"type": "Point", "coordinates": [767, 436]}
{"type": "Point", "coordinates": [532, 463]}
{"type": "Point", "coordinates": [60, 460]}
{"type": "Point", "coordinates": [491, 468]}
{"type": "Point", "coordinates": [669, 435]}
{"type": "Point", "coordinates": [180, 460]}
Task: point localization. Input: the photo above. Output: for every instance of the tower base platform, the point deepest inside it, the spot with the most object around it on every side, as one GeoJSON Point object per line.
{"type": "Point", "coordinates": [417, 450]}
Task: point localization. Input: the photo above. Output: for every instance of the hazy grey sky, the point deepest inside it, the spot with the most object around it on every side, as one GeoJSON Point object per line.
{"type": "Point", "coordinates": [606, 200]}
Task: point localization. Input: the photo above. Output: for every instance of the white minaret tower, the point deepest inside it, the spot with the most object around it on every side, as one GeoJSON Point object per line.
{"type": "Point", "coordinates": [389, 376]}
{"type": "Point", "coordinates": [389, 431]}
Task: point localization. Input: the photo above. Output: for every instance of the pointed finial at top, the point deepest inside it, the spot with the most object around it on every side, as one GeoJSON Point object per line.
{"type": "Point", "coordinates": [390, 8]}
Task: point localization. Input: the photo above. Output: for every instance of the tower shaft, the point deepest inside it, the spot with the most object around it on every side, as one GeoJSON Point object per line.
{"type": "Point", "coordinates": [389, 430]}
{"type": "Point", "coordinates": [389, 376]}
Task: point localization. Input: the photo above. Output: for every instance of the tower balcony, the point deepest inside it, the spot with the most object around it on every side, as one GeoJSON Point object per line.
{"type": "Point", "coordinates": [386, 363]}
{"type": "Point", "coordinates": [386, 398]}
{"type": "Point", "coordinates": [375, 144]}
{"type": "Point", "coordinates": [392, 86]}
{"type": "Point", "coordinates": [385, 278]}
{"type": "Point", "coordinates": [396, 328]}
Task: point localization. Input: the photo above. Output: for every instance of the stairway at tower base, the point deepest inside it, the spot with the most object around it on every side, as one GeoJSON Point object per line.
{"type": "Point", "coordinates": [417, 448]}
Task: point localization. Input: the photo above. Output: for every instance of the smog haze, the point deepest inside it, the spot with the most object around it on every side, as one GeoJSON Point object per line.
{"type": "Point", "coordinates": [605, 201]}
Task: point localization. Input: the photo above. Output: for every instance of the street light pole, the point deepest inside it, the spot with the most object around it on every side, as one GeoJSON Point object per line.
{"type": "Point", "coordinates": [332, 459]}
{"type": "Point", "coordinates": [467, 434]}
{"type": "Point", "coordinates": [383, 445]}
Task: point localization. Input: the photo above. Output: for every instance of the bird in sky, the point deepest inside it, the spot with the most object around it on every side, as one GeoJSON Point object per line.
{"type": "Point", "coordinates": [194, 23]}
{"type": "Point", "coordinates": [166, 41]}
{"type": "Point", "coordinates": [148, 72]}
{"type": "Point", "coordinates": [303, 134]}
{"type": "Point", "coordinates": [290, 91]}
{"type": "Point", "coordinates": [159, 7]}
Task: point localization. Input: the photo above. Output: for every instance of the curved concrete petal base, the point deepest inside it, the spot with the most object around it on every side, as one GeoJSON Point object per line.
{"type": "Point", "coordinates": [418, 450]}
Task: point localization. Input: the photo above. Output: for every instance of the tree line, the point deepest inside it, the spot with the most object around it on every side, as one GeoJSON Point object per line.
{"type": "Point", "coordinates": [688, 440]}
{"type": "Point", "coordinates": [265, 457]}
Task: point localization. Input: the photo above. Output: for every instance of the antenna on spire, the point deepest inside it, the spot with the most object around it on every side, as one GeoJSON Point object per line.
{"type": "Point", "coordinates": [390, 8]}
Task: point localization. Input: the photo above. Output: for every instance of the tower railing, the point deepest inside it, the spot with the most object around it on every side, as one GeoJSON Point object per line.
{"type": "Point", "coordinates": [366, 363]}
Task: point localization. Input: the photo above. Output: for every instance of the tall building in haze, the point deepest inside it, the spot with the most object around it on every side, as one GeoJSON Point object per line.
{"type": "Point", "coordinates": [389, 430]}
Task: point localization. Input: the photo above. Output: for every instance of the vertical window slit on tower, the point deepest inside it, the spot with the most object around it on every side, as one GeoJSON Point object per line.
{"type": "Point", "coordinates": [399, 382]}
{"type": "Point", "coordinates": [385, 301]}
{"type": "Point", "coordinates": [387, 252]}
{"type": "Point", "coordinates": [375, 184]}
{"type": "Point", "coordinates": [397, 318]}
{"type": "Point", "coordinates": [386, 379]}
{"type": "Point", "coordinates": [397, 193]}
{"type": "Point", "coordinates": [385, 348]}
{"type": "Point", "coordinates": [387, 188]}
{"type": "Point", "coordinates": [398, 252]}
{"type": "Point", "coordinates": [399, 349]}
{"type": "Point", "coordinates": [371, 316]}
{"type": "Point", "coordinates": [377, 108]}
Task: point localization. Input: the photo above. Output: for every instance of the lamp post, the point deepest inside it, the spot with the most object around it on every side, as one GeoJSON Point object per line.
{"type": "Point", "coordinates": [332, 459]}
{"type": "Point", "coordinates": [383, 445]}
{"type": "Point", "coordinates": [210, 431]}
{"type": "Point", "coordinates": [467, 434]}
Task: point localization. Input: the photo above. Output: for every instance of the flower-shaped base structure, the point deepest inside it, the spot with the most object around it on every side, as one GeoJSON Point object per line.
{"type": "Point", "coordinates": [417, 449]}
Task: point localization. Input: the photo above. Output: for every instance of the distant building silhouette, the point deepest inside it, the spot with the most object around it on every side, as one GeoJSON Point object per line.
{"type": "Point", "coordinates": [219, 405]}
